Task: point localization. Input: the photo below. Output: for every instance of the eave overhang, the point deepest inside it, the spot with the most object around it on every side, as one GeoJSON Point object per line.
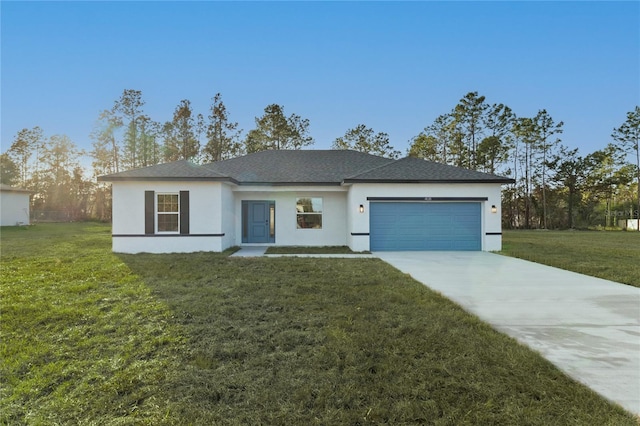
{"type": "Point", "coordinates": [165, 179]}
{"type": "Point", "coordinates": [499, 181]}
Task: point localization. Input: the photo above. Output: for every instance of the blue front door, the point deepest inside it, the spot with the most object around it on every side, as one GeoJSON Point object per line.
{"type": "Point", "coordinates": [258, 222]}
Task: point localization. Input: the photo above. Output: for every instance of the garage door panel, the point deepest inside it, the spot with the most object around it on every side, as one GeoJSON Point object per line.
{"type": "Point", "coordinates": [425, 226]}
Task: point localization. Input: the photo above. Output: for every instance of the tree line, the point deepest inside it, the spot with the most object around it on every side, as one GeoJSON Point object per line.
{"type": "Point", "coordinates": [555, 186]}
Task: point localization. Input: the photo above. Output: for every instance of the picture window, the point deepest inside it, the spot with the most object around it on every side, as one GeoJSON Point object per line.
{"type": "Point", "coordinates": [309, 213]}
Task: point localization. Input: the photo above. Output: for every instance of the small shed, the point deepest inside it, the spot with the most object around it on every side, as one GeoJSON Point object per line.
{"type": "Point", "coordinates": [629, 224]}
{"type": "Point", "coordinates": [14, 206]}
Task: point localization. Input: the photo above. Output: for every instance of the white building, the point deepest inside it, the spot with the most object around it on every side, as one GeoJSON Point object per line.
{"type": "Point", "coordinates": [14, 206]}
{"type": "Point", "coordinates": [306, 198]}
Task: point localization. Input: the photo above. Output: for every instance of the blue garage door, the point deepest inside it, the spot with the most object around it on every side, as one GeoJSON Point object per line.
{"type": "Point", "coordinates": [425, 226]}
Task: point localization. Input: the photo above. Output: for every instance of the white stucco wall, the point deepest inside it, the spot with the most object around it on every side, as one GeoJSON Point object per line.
{"type": "Point", "coordinates": [14, 208]}
{"type": "Point", "coordinates": [334, 221]}
{"type": "Point", "coordinates": [359, 222]}
{"type": "Point", "coordinates": [205, 217]}
{"type": "Point", "coordinates": [177, 244]}
{"type": "Point", "coordinates": [229, 214]}
{"type": "Point", "coordinates": [216, 208]}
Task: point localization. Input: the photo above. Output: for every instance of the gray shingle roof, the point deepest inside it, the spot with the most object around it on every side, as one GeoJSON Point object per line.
{"type": "Point", "coordinates": [297, 166]}
{"type": "Point", "coordinates": [416, 170]}
{"type": "Point", "coordinates": [307, 167]}
{"type": "Point", "coordinates": [8, 188]}
{"type": "Point", "coordinates": [177, 170]}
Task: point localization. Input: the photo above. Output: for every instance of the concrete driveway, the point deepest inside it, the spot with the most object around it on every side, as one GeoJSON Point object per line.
{"type": "Point", "coordinates": [588, 327]}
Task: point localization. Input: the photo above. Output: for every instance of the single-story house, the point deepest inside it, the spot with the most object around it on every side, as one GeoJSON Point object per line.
{"type": "Point", "coordinates": [306, 198]}
{"type": "Point", "coordinates": [14, 206]}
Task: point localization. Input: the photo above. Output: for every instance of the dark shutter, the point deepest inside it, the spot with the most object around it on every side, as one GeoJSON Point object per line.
{"type": "Point", "coordinates": [245, 221]}
{"type": "Point", "coordinates": [184, 212]}
{"type": "Point", "coordinates": [149, 212]}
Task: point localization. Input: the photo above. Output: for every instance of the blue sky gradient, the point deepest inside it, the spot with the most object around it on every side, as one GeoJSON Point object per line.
{"type": "Point", "coordinates": [393, 66]}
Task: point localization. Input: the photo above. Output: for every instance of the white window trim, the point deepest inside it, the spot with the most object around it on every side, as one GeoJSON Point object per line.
{"type": "Point", "coordinates": [157, 213]}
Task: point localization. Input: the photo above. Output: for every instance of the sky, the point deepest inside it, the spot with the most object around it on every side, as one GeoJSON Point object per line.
{"type": "Point", "coordinates": [393, 66]}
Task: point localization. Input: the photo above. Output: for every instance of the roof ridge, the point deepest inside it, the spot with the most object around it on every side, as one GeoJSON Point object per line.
{"type": "Point", "coordinates": [391, 161]}
{"type": "Point", "coordinates": [209, 169]}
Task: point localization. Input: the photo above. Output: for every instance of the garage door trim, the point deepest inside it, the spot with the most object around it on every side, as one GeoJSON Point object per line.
{"type": "Point", "coordinates": [427, 198]}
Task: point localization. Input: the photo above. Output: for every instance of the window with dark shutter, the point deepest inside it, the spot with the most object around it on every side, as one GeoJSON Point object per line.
{"type": "Point", "coordinates": [166, 213]}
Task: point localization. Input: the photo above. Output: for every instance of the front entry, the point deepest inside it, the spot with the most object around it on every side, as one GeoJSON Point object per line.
{"type": "Point", "coordinates": [258, 222]}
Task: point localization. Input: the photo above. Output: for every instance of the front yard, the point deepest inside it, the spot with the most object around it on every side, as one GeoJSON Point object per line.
{"type": "Point", "coordinates": [610, 255]}
{"type": "Point", "coordinates": [89, 337]}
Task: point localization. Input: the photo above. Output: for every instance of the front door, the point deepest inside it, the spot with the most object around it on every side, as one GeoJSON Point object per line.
{"type": "Point", "coordinates": [258, 219]}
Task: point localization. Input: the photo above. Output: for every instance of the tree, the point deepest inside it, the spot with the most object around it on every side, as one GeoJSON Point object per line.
{"type": "Point", "coordinates": [469, 114]}
{"type": "Point", "coordinates": [106, 160]}
{"type": "Point", "coordinates": [494, 150]}
{"type": "Point", "coordinates": [498, 120]}
{"type": "Point", "coordinates": [444, 130]}
{"type": "Point", "coordinates": [545, 128]}
{"type": "Point", "coordinates": [61, 172]}
{"type": "Point", "coordinates": [181, 142]}
{"type": "Point", "coordinates": [570, 173]}
{"type": "Point", "coordinates": [525, 134]}
{"type": "Point", "coordinates": [148, 147]}
{"type": "Point", "coordinates": [26, 143]}
{"type": "Point", "coordinates": [105, 153]}
{"type": "Point", "coordinates": [628, 136]}
{"type": "Point", "coordinates": [223, 136]}
{"type": "Point", "coordinates": [364, 139]}
{"type": "Point", "coordinates": [490, 152]}
{"type": "Point", "coordinates": [602, 179]}
{"type": "Point", "coordinates": [127, 110]}
{"type": "Point", "coordinates": [299, 132]}
{"type": "Point", "coordinates": [276, 131]}
{"type": "Point", "coordinates": [9, 171]}
{"type": "Point", "coordinates": [424, 146]}
{"type": "Point", "coordinates": [80, 195]}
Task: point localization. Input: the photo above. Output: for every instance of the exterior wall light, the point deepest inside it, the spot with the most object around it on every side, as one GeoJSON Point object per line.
{"type": "Point", "coordinates": [361, 208]}
{"type": "Point", "coordinates": [494, 209]}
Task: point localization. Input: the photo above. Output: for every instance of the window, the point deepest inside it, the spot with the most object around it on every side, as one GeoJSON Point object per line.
{"type": "Point", "coordinates": [168, 212]}
{"type": "Point", "coordinates": [309, 213]}
{"type": "Point", "coordinates": [272, 221]}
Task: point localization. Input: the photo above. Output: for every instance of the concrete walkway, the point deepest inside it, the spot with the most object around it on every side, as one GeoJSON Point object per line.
{"type": "Point", "coordinates": [258, 251]}
{"type": "Point", "coordinates": [250, 251]}
{"type": "Point", "coordinates": [588, 327]}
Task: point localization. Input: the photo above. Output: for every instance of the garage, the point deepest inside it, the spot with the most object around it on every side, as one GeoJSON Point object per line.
{"type": "Point", "coordinates": [399, 226]}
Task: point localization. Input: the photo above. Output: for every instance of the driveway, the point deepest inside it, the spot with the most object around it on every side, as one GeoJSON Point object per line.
{"type": "Point", "coordinates": [588, 327]}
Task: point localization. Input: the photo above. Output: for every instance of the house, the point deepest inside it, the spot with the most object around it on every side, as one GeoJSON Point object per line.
{"type": "Point", "coordinates": [14, 206]}
{"type": "Point", "coordinates": [306, 198]}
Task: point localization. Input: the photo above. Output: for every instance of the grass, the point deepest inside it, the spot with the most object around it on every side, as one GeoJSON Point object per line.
{"type": "Point", "coordinates": [89, 337]}
{"type": "Point", "coordinates": [311, 250]}
{"type": "Point", "coordinates": [82, 337]}
{"type": "Point", "coordinates": [609, 255]}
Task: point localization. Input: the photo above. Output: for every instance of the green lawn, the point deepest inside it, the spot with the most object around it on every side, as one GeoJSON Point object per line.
{"type": "Point", "coordinates": [612, 255]}
{"type": "Point", "coordinates": [89, 337]}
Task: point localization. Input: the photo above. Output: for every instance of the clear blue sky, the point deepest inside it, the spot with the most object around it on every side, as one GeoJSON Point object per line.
{"type": "Point", "coordinates": [392, 66]}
